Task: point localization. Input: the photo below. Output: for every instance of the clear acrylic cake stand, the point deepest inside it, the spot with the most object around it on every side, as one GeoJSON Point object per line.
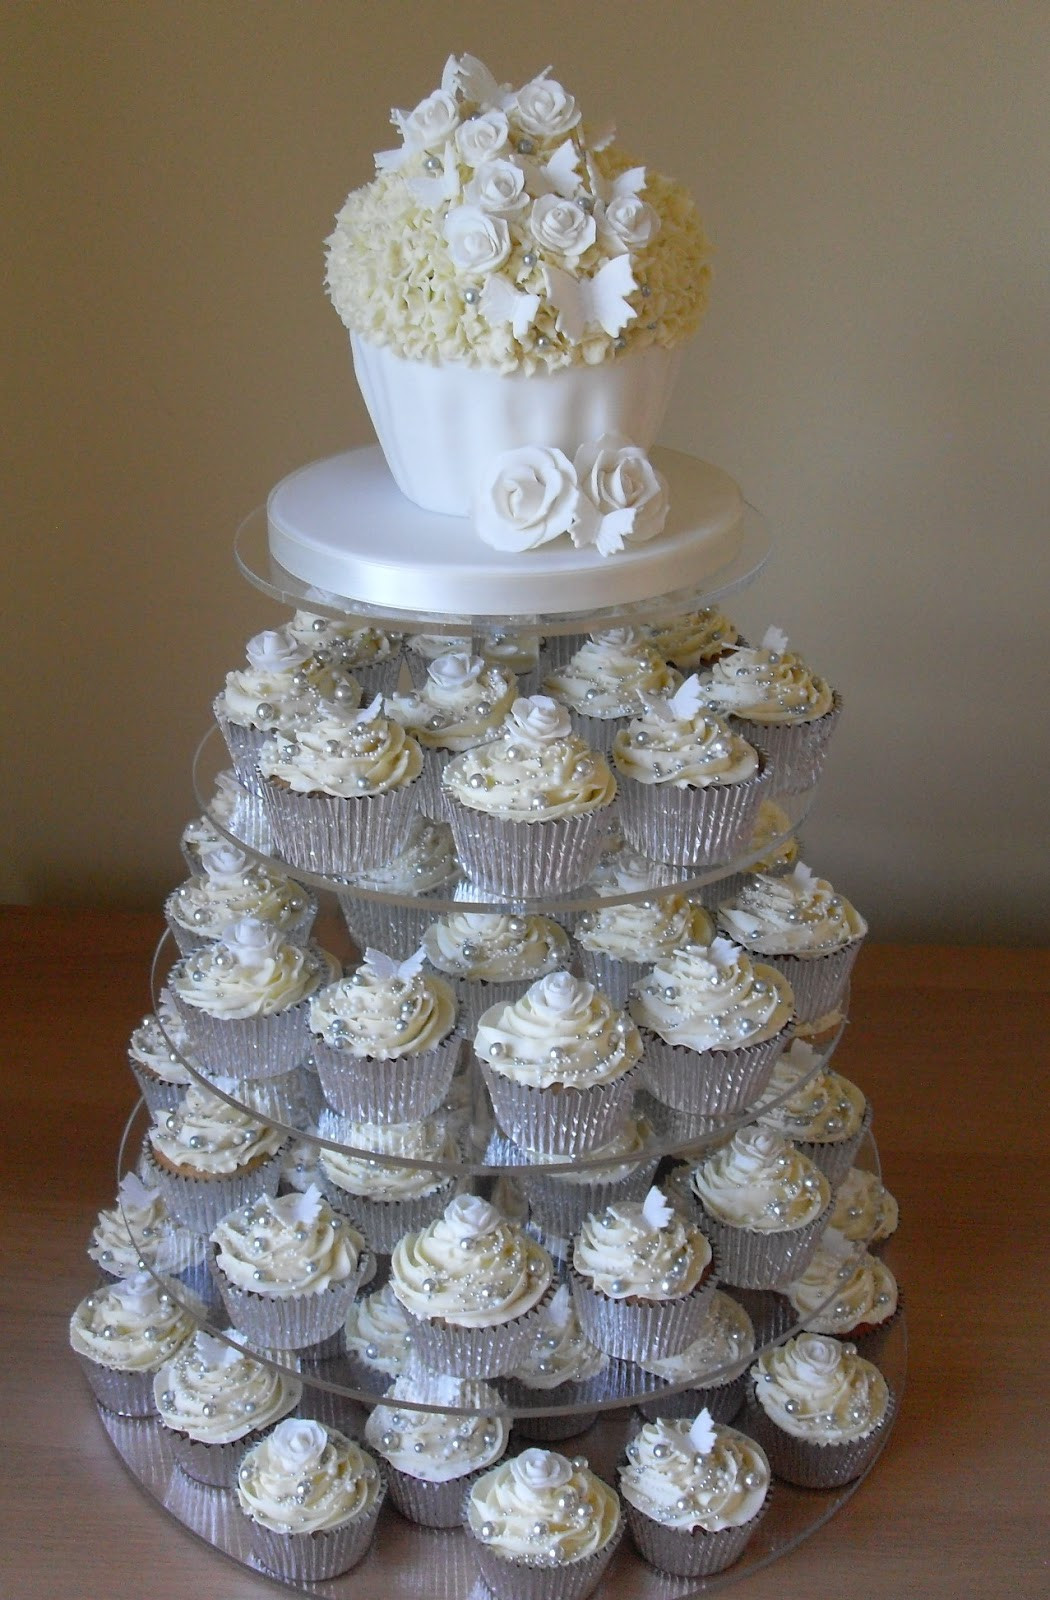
{"type": "Point", "coordinates": [440, 1563]}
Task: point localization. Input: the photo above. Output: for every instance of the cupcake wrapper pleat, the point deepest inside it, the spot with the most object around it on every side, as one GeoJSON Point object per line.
{"type": "Point", "coordinates": [835, 1157]}
{"type": "Point", "coordinates": [597, 732]}
{"type": "Point", "coordinates": [763, 1260]}
{"type": "Point", "coordinates": [517, 1580]}
{"type": "Point", "coordinates": [612, 978]}
{"type": "Point", "coordinates": [201, 1203]}
{"type": "Point", "coordinates": [246, 1047]}
{"type": "Point", "coordinates": [525, 860]}
{"type": "Point", "coordinates": [244, 745]}
{"type": "Point", "coordinates": [129, 1394]}
{"type": "Point", "coordinates": [384, 1222]}
{"type": "Point", "coordinates": [297, 931]}
{"type": "Point", "coordinates": [329, 834]}
{"type": "Point", "coordinates": [160, 1097]}
{"type": "Point", "coordinates": [687, 1553]}
{"type": "Point", "coordinates": [696, 827]}
{"type": "Point", "coordinates": [818, 982]}
{"type": "Point", "coordinates": [385, 1088]}
{"type": "Point", "coordinates": [214, 1464]}
{"type": "Point", "coordinates": [312, 1557]}
{"type": "Point", "coordinates": [558, 651]}
{"type": "Point", "coordinates": [722, 1400]}
{"type": "Point", "coordinates": [560, 1120]}
{"type": "Point", "coordinates": [548, 1430]}
{"type": "Point", "coordinates": [293, 1322]}
{"type": "Point", "coordinates": [378, 677]}
{"type": "Point", "coordinates": [475, 1352]}
{"type": "Point", "coordinates": [475, 997]}
{"type": "Point", "coordinates": [709, 1083]}
{"type": "Point", "coordinates": [377, 925]}
{"type": "Point", "coordinates": [637, 1330]}
{"type": "Point", "coordinates": [560, 1205]}
{"type": "Point", "coordinates": [796, 751]}
{"type": "Point", "coordinates": [805, 1462]}
{"type": "Point", "coordinates": [431, 1505]}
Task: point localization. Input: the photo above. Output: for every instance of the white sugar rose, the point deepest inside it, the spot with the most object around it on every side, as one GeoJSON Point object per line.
{"type": "Point", "coordinates": [298, 1444]}
{"type": "Point", "coordinates": [272, 651]}
{"type": "Point", "coordinates": [432, 123]}
{"type": "Point", "coordinates": [562, 225]}
{"type": "Point", "coordinates": [477, 243]}
{"type": "Point", "coordinates": [482, 138]}
{"type": "Point", "coordinates": [223, 861]}
{"type": "Point", "coordinates": [544, 109]}
{"type": "Point", "coordinates": [539, 720]}
{"type": "Point", "coordinates": [455, 670]}
{"type": "Point", "coordinates": [541, 1469]}
{"type": "Point", "coordinates": [470, 1217]}
{"type": "Point", "coordinates": [498, 188]}
{"type": "Point", "coordinates": [527, 497]}
{"type": "Point", "coordinates": [561, 995]}
{"type": "Point", "coordinates": [629, 220]}
{"type": "Point", "coordinates": [621, 485]}
{"type": "Point", "coordinates": [251, 941]}
{"type": "Point", "coordinates": [820, 1355]}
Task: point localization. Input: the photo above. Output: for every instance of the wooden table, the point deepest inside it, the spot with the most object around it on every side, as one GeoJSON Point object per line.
{"type": "Point", "coordinates": [950, 1044]}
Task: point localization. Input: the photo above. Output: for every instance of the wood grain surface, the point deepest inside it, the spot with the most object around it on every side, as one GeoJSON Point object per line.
{"type": "Point", "coordinates": [948, 1043]}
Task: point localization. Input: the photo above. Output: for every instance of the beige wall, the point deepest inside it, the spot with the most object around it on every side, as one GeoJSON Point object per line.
{"type": "Point", "coordinates": [873, 369]}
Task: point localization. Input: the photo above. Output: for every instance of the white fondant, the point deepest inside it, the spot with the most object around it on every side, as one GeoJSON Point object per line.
{"type": "Point", "coordinates": [442, 426]}
{"type": "Point", "coordinates": [342, 525]}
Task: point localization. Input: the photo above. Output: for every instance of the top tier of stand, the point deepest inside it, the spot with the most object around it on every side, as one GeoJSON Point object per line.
{"type": "Point", "coordinates": [338, 538]}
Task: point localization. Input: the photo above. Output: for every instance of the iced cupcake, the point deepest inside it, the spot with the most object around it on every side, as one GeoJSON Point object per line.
{"type": "Point", "coordinates": [713, 1025]}
{"type": "Point", "coordinates": [370, 655]}
{"type": "Point", "coordinates": [517, 652]}
{"type": "Point", "coordinates": [208, 1156]}
{"type": "Point", "coordinates": [155, 1056]}
{"type": "Point", "coordinates": [125, 1332]}
{"type": "Point", "coordinates": [844, 1290]}
{"type": "Point", "coordinates": [559, 1065]}
{"type": "Point", "coordinates": [471, 1283]}
{"type": "Point", "coordinates": [617, 943]}
{"type": "Point", "coordinates": [695, 1492]}
{"type": "Point", "coordinates": [385, 1041]}
{"type": "Point", "coordinates": [780, 853]}
{"type": "Point", "coordinates": [764, 1206]}
{"type": "Point", "coordinates": [779, 705]}
{"type": "Point", "coordinates": [243, 1000]}
{"type": "Point", "coordinates": [607, 681]}
{"type": "Point", "coordinates": [433, 1457]}
{"type": "Point", "coordinates": [216, 1400]}
{"type": "Point", "coordinates": [386, 1199]}
{"type": "Point", "coordinates": [641, 1279]}
{"type": "Point", "coordinates": [228, 887]}
{"type": "Point", "coordinates": [821, 1112]}
{"type": "Point", "coordinates": [340, 789]}
{"type": "Point", "coordinates": [820, 1411]}
{"type": "Point", "coordinates": [695, 640]}
{"type": "Point", "coordinates": [542, 1527]}
{"type": "Point", "coordinates": [289, 1268]}
{"type": "Point", "coordinates": [530, 809]}
{"type": "Point", "coordinates": [139, 1234]}
{"type": "Point", "coordinates": [377, 1340]}
{"type": "Point", "coordinates": [690, 787]}
{"type": "Point", "coordinates": [493, 958]}
{"type": "Point", "coordinates": [865, 1211]}
{"type": "Point", "coordinates": [426, 860]}
{"type": "Point", "coordinates": [561, 1196]}
{"type": "Point", "coordinates": [312, 1497]}
{"type": "Point", "coordinates": [562, 1368]}
{"type": "Point", "coordinates": [714, 1366]}
{"type": "Point", "coordinates": [798, 924]}
{"type": "Point", "coordinates": [462, 702]}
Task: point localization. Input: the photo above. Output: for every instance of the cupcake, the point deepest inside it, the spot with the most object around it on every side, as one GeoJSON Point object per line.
{"type": "Point", "coordinates": [368, 654]}
{"type": "Point", "coordinates": [821, 1112]}
{"type": "Point", "coordinates": [217, 1400]}
{"type": "Point", "coordinates": [377, 1339]}
{"type": "Point", "coordinates": [713, 1025]}
{"type": "Point", "coordinates": [690, 787]}
{"type": "Point", "coordinates": [139, 1234]}
{"type": "Point", "coordinates": [433, 1457]}
{"type": "Point", "coordinates": [819, 1410]}
{"type": "Point", "coordinates": [714, 1366]}
{"type": "Point", "coordinates": [289, 1268]}
{"type": "Point", "coordinates": [764, 1206]}
{"type": "Point", "coordinates": [518, 652]}
{"type": "Point", "coordinates": [208, 1156]}
{"type": "Point", "coordinates": [694, 640]}
{"type": "Point", "coordinates": [543, 1527]}
{"type": "Point", "coordinates": [844, 1291]}
{"type": "Point", "coordinates": [339, 789]}
{"type": "Point", "coordinates": [798, 924]}
{"type": "Point", "coordinates": [243, 1000]}
{"type": "Point", "coordinates": [426, 860]}
{"type": "Point", "coordinates": [561, 1196]}
{"type": "Point", "coordinates": [155, 1055]}
{"type": "Point", "coordinates": [228, 887]}
{"type": "Point", "coordinates": [125, 1332]}
{"type": "Point", "coordinates": [462, 702]}
{"type": "Point", "coordinates": [618, 942]}
{"type": "Point", "coordinates": [621, 870]}
{"type": "Point", "coordinates": [471, 1283]}
{"type": "Point", "coordinates": [695, 1491]}
{"type": "Point", "coordinates": [559, 1065]}
{"type": "Point", "coordinates": [772, 834]}
{"type": "Point", "coordinates": [385, 1041]}
{"type": "Point", "coordinates": [312, 1497]}
{"type": "Point", "coordinates": [562, 1368]}
{"type": "Point", "coordinates": [779, 705]}
{"type": "Point", "coordinates": [865, 1211]}
{"type": "Point", "coordinates": [641, 1278]}
{"type": "Point", "coordinates": [234, 809]}
{"type": "Point", "coordinates": [299, 1168]}
{"type": "Point", "coordinates": [386, 1199]}
{"type": "Point", "coordinates": [607, 681]}
{"type": "Point", "coordinates": [493, 958]}
{"type": "Point", "coordinates": [280, 686]}
{"type": "Point", "coordinates": [530, 809]}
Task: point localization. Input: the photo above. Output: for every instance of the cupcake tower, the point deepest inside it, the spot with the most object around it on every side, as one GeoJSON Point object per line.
{"type": "Point", "coordinates": [561, 1136]}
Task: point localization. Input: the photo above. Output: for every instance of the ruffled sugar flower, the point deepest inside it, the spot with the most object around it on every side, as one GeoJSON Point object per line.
{"type": "Point", "coordinates": [526, 498]}
{"type": "Point", "coordinates": [623, 499]}
{"type": "Point", "coordinates": [538, 720]}
{"type": "Point", "coordinates": [483, 138]}
{"type": "Point", "coordinates": [477, 242]}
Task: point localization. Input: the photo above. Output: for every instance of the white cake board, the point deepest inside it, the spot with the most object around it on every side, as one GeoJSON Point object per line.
{"type": "Point", "coordinates": [343, 526]}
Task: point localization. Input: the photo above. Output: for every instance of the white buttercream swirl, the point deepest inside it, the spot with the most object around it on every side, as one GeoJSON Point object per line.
{"type": "Point", "coordinates": [377, 1331]}
{"type": "Point", "coordinates": [282, 684]}
{"type": "Point", "coordinates": [294, 1245]}
{"type": "Point", "coordinates": [711, 998]}
{"type": "Point", "coordinates": [577, 1512]}
{"type": "Point", "coordinates": [767, 686]}
{"type": "Point", "coordinates": [864, 1208]}
{"type": "Point", "coordinates": [135, 1324]}
{"type": "Point", "coordinates": [627, 1257]}
{"type": "Point", "coordinates": [159, 1041]}
{"type": "Point", "coordinates": [560, 1352]}
{"type": "Point", "coordinates": [632, 1140]}
{"type": "Point", "coordinates": [644, 930]}
{"type": "Point", "coordinates": [209, 1136]}
{"type": "Point", "coordinates": [791, 914]}
{"type": "Point", "coordinates": [495, 947]}
{"type": "Point", "coordinates": [427, 860]}
{"type": "Point", "coordinates": [462, 702]}
{"type": "Point", "coordinates": [386, 1016]}
{"type": "Point", "coordinates": [251, 971]}
{"type": "Point", "coordinates": [669, 1480]}
{"type": "Point", "coordinates": [216, 1393]}
{"type": "Point", "coordinates": [611, 674]}
{"type": "Point", "coordinates": [336, 755]}
{"type": "Point", "coordinates": [230, 887]}
{"type": "Point", "coordinates": [761, 1182]}
{"type": "Point", "coordinates": [305, 1478]}
{"type": "Point", "coordinates": [726, 1340]}
{"type": "Point", "coordinates": [139, 1231]}
{"type": "Point", "coordinates": [818, 1389]}
{"type": "Point", "coordinates": [350, 645]}
{"type": "Point", "coordinates": [470, 1267]}
{"type": "Point", "coordinates": [438, 1446]}
{"type": "Point", "coordinates": [536, 770]}
{"type": "Point", "coordinates": [818, 1106]}
{"type": "Point", "coordinates": [370, 1176]}
{"type": "Point", "coordinates": [842, 1290]}
{"type": "Point", "coordinates": [560, 1031]}
{"type": "Point", "coordinates": [690, 641]}
{"type": "Point", "coordinates": [683, 751]}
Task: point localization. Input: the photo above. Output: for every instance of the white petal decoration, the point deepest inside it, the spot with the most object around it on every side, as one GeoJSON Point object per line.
{"type": "Point", "coordinates": [599, 301]}
{"type": "Point", "coordinates": [502, 303]}
{"type": "Point", "coordinates": [527, 497]}
{"type": "Point", "coordinates": [774, 639]}
{"type": "Point", "coordinates": [656, 1209]}
{"type": "Point", "coordinates": [702, 1435]}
